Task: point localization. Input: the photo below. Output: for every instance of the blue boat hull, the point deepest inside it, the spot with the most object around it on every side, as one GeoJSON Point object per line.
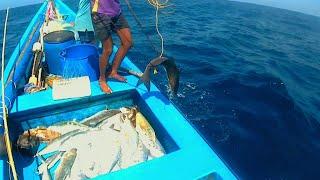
{"type": "Point", "coordinates": [188, 155]}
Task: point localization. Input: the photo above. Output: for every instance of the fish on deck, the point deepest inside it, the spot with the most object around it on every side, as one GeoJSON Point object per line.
{"type": "Point", "coordinates": [42, 134]}
{"type": "Point", "coordinates": [56, 143]}
{"type": "Point", "coordinates": [67, 126]}
{"type": "Point", "coordinates": [65, 165]}
{"type": "Point", "coordinates": [97, 118]}
{"type": "Point", "coordinates": [97, 155]}
{"type": "Point", "coordinates": [44, 170]}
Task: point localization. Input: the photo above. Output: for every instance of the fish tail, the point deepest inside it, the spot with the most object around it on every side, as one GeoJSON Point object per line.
{"type": "Point", "coordinates": [145, 78]}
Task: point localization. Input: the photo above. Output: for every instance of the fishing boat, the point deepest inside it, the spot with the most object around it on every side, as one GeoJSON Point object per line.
{"type": "Point", "coordinates": [188, 156]}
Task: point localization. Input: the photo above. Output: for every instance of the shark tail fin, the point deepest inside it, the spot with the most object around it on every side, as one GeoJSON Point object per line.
{"type": "Point", "coordinates": [145, 78]}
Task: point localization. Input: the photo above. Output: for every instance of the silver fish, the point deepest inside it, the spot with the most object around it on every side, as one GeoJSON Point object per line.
{"type": "Point", "coordinates": [112, 122]}
{"type": "Point", "coordinates": [154, 146]}
{"type": "Point", "coordinates": [97, 118]}
{"type": "Point", "coordinates": [54, 159]}
{"type": "Point", "coordinates": [96, 156]}
{"type": "Point", "coordinates": [106, 154]}
{"type": "Point", "coordinates": [56, 143]}
{"type": "Point", "coordinates": [44, 170]}
{"type": "Point", "coordinates": [65, 127]}
{"type": "Point", "coordinates": [129, 143]}
{"type": "Point", "coordinates": [66, 164]}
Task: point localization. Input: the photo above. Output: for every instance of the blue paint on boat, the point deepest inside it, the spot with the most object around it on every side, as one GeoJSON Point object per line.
{"type": "Point", "coordinates": [188, 155]}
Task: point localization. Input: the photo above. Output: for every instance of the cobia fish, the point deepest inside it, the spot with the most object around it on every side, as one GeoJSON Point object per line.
{"type": "Point", "coordinates": [65, 165]}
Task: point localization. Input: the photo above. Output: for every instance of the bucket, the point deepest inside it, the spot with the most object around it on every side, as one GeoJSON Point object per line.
{"type": "Point", "coordinates": [54, 43]}
{"type": "Point", "coordinates": [80, 60]}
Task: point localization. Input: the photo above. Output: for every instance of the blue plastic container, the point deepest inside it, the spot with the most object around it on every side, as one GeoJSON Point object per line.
{"type": "Point", "coordinates": [54, 43]}
{"type": "Point", "coordinates": [80, 60]}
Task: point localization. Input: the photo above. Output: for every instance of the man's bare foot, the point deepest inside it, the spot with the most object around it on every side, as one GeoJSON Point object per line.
{"type": "Point", "coordinates": [104, 86]}
{"type": "Point", "coordinates": [118, 77]}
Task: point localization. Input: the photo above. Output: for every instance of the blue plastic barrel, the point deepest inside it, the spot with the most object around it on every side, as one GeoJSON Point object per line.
{"type": "Point", "coordinates": [54, 43]}
{"type": "Point", "coordinates": [80, 60]}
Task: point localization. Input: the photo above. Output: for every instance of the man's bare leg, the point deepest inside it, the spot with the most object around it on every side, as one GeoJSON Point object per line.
{"type": "Point", "coordinates": [126, 43]}
{"type": "Point", "coordinates": [103, 63]}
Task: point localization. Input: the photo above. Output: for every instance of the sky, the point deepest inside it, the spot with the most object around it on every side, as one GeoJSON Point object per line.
{"type": "Point", "coordinates": [311, 7]}
{"type": "Point", "coordinates": [305, 6]}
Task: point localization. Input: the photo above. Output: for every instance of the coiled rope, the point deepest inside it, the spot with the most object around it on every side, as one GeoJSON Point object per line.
{"type": "Point", "coordinates": [4, 110]}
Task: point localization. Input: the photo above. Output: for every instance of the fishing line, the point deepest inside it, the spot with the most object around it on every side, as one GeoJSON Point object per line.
{"type": "Point", "coordinates": [157, 28]}
{"type": "Point", "coordinates": [157, 5]}
{"type": "Point", "coordinates": [4, 111]}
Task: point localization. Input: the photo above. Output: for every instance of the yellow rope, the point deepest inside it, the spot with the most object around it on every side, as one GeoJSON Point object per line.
{"type": "Point", "coordinates": [4, 110]}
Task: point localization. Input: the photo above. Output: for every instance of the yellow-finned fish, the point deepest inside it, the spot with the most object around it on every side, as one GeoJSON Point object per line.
{"type": "Point", "coordinates": [143, 124]}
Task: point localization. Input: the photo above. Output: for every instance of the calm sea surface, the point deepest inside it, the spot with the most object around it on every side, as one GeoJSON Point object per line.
{"type": "Point", "coordinates": [250, 79]}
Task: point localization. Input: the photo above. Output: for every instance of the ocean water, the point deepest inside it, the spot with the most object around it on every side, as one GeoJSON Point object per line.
{"type": "Point", "coordinates": [249, 79]}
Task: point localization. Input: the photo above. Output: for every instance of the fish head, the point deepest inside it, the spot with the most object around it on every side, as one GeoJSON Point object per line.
{"type": "Point", "coordinates": [129, 114]}
{"type": "Point", "coordinates": [25, 141]}
{"type": "Point", "coordinates": [125, 110]}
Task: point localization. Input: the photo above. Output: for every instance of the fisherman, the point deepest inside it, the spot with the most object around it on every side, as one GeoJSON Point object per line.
{"type": "Point", "coordinates": [107, 17]}
{"type": "Point", "coordinates": [81, 25]}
